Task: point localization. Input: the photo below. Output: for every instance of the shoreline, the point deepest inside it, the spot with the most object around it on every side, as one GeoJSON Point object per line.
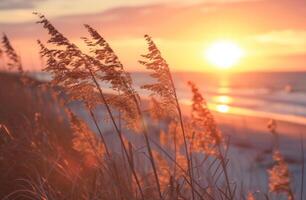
{"type": "Point", "coordinates": [253, 123]}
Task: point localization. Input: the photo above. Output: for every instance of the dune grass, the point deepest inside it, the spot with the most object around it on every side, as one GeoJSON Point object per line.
{"type": "Point", "coordinates": [49, 152]}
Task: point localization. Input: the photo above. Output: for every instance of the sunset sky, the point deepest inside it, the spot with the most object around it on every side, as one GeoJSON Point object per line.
{"type": "Point", "coordinates": [271, 32]}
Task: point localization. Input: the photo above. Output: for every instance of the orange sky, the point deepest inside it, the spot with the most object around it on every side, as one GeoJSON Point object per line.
{"type": "Point", "coordinates": [272, 32]}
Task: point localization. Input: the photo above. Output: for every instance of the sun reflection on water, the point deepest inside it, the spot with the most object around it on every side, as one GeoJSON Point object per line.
{"type": "Point", "coordinates": [222, 103]}
{"type": "Point", "coordinates": [222, 108]}
{"type": "Point", "coordinates": [224, 99]}
{"type": "Point", "coordinates": [224, 90]}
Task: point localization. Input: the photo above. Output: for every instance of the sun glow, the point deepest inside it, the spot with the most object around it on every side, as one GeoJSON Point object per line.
{"type": "Point", "coordinates": [223, 108]}
{"type": "Point", "coordinates": [224, 54]}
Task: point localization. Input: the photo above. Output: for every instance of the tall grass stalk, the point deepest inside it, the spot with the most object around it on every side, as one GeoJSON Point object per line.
{"type": "Point", "coordinates": [60, 40]}
{"type": "Point", "coordinates": [303, 166]}
{"type": "Point", "coordinates": [188, 154]}
{"type": "Point", "coordinates": [183, 170]}
{"type": "Point", "coordinates": [165, 88]}
{"type": "Point", "coordinates": [120, 136]}
{"type": "Point", "coordinates": [120, 75]}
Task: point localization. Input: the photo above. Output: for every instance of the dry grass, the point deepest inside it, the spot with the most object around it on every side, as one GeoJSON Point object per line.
{"type": "Point", "coordinates": [48, 152]}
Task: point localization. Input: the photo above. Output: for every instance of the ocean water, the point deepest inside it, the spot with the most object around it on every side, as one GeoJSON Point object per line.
{"type": "Point", "coordinates": [275, 95]}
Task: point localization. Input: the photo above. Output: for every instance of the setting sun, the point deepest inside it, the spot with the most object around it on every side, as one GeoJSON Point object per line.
{"type": "Point", "coordinates": [224, 54]}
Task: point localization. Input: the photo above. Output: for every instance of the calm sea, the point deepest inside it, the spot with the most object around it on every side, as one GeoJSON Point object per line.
{"type": "Point", "coordinates": [278, 95]}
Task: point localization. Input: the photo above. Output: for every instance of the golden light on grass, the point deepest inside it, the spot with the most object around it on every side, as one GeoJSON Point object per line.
{"type": "Point", "coordinates": [224, 54]}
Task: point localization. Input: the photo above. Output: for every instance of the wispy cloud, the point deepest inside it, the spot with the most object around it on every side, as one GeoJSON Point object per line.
{"type": "Point", "coordinates": [283, 37]}
{"type": "Point", "coordinates": [287, 42]}
{"type": "Point", "coordinates": [56, 8]}
{"type": "Point", "coordinates": [18, 4]}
